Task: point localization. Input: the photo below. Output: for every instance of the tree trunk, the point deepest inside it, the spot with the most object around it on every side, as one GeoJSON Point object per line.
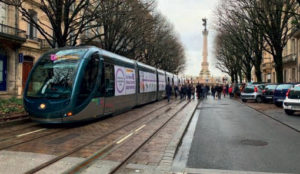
{"type": "Point", "coordinates": [278, 65]}
{"type": "Point", "coordinates": [232, 77]}
{"type": "Point", "coordinates": [240, 76]}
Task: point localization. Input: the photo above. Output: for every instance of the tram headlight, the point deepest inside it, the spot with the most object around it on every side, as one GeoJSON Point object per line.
{"type": "Point", "coordinates": [42, 106]}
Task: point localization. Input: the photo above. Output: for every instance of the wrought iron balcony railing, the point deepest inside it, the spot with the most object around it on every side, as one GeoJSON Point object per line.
{"type": "Point", "coordinates": [45, 44]}
{"type": "Point", "coordinates": [292, 58]}
{"type": "Point", "coordinates": [12, 33]}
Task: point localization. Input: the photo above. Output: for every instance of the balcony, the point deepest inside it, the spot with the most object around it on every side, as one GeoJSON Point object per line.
{"type": "Point", "coordinates": [292, 58]}
{"type": "Point", "coordinates": [44, 44]}
{"type": "Point", "coordinates": [296, 31]}
{"type": "Point", "coordinates": [12, 34]}
{"type": "Point", "coordinates": [267, 66]}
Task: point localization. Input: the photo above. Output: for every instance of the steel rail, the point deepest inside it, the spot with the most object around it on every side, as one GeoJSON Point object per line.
{"type": "Point", "coordinates": [78, 148]}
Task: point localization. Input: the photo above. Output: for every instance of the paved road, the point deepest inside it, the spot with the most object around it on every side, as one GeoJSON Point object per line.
{"type": "Point", "coordinates": [232, 136]}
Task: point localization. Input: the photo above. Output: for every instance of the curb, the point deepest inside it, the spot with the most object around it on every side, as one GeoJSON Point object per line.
{"type": "Point", "coordinates": [165, 164]}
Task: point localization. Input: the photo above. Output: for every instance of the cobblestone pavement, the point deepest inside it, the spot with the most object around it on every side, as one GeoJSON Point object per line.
{"type": "Point", "coordinates": [161, 148]}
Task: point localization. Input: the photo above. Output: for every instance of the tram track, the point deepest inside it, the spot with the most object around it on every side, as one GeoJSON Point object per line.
{"type": "Point", "coordinates": [140, 121]}
{"type": "Point", "coordinates": [8, 145]}
{"type": "Point", "coordinates": [112, 147]}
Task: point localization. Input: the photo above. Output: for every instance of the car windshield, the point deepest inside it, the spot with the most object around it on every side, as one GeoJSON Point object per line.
{"type": "Point", "coordinates": [271, 87]}
{"type": "Point", "coordinates": [54, 74]}
{"type": "Point", "coordinates": [284, 86]}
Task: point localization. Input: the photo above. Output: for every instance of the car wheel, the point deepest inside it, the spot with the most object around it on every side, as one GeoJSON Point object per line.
{"type": "Point", "coordinates": [258, 99]}
{"type": "Point", "coordinates": [244, 100]}
{"type": "Point", "coordinates": [289, 112]}
{"type": "Point", "coordinates": [278, 104]}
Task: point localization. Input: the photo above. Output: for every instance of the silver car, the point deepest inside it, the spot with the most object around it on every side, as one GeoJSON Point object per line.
{"type": "Point", "coordinates": [253, 92]}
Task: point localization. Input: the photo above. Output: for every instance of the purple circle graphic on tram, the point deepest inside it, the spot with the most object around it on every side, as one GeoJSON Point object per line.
{"type": "Point", "coordinates": [120, 80]}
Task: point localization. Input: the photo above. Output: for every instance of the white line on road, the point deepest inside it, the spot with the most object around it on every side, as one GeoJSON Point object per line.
{"type": "Point", "coordinates": [138, 129]}
{"type": "Point", "coordinates": [21, 135]}
{"type": "Point", "coordinates": [123, 139]}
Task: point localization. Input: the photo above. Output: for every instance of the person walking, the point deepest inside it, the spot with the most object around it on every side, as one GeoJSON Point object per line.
{"type": "Point", "coordinates": [193, 91]}
{"type": "Point", "coordinates": [213, 92]}
{"type": "Point", "coordinates": [176, 91]}
{"type": "Point", "coordinates": [219, 91]}
{"type": "Point", "coordinates": [168, 91]}
{"type": "Point", "coordinates": [189, 91]}
{"type": "Point", "coordinates": [230, 91]}
{"type": "Point", "coordinates": [224, 90]}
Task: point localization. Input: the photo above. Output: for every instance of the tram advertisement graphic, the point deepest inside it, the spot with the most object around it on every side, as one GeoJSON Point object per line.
{"type": "Point", "coordinates": [125, 81]}
{"type": "Point", "coordinates": [161, 82]}
{"type": "Point", "coordinates": [148, 82]}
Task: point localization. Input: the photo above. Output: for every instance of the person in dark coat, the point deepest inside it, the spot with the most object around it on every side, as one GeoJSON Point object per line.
{"type": "Point", "coordinates": [176, 91]}
{"type": "Point", "coordinates": [168, 91]}
{"type": "Point", "coordinates": [219, 91]}
{"type": "Point", "coordinates": [189, 91]}
{"type": "Point", "coordinates": [213, 92]}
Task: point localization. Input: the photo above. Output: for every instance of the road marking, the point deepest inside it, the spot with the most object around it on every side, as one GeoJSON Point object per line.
{"type": "Point", "coordinates": [123, 139]}
{"type": "Point", "coordinates": [138, 129]}
{"type": "Point", "coordinates": [39, 130]}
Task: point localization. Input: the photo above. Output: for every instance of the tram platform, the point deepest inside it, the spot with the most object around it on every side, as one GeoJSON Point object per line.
{"type": "Point", "coordinates": [143, 140]}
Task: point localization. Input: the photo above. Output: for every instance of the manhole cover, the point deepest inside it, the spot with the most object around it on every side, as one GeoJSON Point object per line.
{"type": "Point", "coordinates": [254, 142]}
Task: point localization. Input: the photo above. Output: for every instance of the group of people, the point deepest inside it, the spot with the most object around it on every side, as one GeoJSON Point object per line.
{"type": "Point", "coordinates": [188, 90]}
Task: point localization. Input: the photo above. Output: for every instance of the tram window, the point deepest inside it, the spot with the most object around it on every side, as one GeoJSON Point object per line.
{"type": "Point", "coordinates": [109, 80]}
{"type": "Point", "coordinates": [89, 79]}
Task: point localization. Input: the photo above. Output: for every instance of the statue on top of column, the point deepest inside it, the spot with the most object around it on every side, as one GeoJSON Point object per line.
{"type": "Point", "coordinates": [204, 22]}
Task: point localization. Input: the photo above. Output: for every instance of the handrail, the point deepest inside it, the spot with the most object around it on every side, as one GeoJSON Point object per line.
{"type": "Point", "coordinates": [12, 31]}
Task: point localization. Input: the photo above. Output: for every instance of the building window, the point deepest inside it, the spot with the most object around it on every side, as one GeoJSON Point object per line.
{"type": "Point", "coordinates": [293, 51]}
{"type": "Point", "coordinates": [293, 75]}
{"type": "Point", "coordinates": [32, 31]}
{"type": "Point", "coordinates": [274, 80]}
{"type": "Point", "coordinates": [269, 78]}
{"type": "Point", "coordinates": [3, 13]}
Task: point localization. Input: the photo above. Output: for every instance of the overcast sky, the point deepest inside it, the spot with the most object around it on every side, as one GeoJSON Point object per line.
{"type": "Point", "coordinates": [186, 16]}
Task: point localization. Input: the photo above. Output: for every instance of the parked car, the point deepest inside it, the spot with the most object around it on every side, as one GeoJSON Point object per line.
{"type": "Point", "coordinates": [268, 93]}
{"type": "Point", "coordinates": [253, 92]}
{"type": "Point", "coordinates": [292, 100]}
{"type": "Point", "coordinates": [280, 93]}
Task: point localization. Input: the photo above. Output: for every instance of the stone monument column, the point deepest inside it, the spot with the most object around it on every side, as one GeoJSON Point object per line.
{"type": "Point", "coordinates": [205, 73]}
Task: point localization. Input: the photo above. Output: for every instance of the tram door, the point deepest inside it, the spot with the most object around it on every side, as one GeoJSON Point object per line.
{"type": "Point", "coordinates": [109, 81]}
{"type": "Point", "coordinates": [88, 88]}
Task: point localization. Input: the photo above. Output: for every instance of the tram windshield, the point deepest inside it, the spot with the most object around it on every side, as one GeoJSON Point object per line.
{"type": "Point", "coordinates": [54, 75]}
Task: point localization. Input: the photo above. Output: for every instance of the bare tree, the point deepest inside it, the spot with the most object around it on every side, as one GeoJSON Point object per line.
{"type": "Point", "coordinates": [65, 19]}
{"type": "Point", "coordinates": [273, 19]}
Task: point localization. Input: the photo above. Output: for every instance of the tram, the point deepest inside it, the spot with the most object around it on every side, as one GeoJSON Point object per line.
{"type": "Point", "coordinates": [82, 83]}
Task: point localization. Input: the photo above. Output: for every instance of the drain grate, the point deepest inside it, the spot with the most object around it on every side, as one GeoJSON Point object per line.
{"type": "Point", "coordinates": [254, 142]}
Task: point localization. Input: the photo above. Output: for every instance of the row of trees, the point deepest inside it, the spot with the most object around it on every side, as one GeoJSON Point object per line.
{"type": "Point", "coordinates": [247, 28]}
{"type": "Point", "coordinates": [131, 28]}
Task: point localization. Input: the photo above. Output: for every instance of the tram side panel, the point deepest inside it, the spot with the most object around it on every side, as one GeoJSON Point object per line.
{"type": "Point", "coordinates": [147, 91]}
{"type": "Point", "coordinates": [161, 78]}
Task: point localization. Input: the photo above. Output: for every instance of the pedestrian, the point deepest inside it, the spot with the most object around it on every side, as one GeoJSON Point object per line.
{"type": "Point", "coordinates": [213, 92]}
{"type": "Point", "coordinates": [189, 91]}
{"type": "Point", "coordinates": [224, 90]}
{"type": "Point", "coordinates": [230, 91]}
{"type": "Point", "coordinates": [175, 91]}
{"type": "Point", "coordinates": [206, 90]}
{"type": "Point", "coordinates": [193, 91]}
{"type": "Point", "coordinates": [219, 91]}
{"type": "Point", "coordinates": [168, 91]}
